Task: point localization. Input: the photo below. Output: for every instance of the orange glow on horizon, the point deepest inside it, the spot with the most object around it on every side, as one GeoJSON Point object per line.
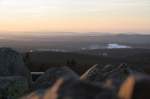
{"type": "Point", "coordinates": [85, 16]}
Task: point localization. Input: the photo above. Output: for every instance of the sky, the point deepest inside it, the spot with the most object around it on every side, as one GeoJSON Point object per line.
{"type": "Point", "coordinates": [113, 16]}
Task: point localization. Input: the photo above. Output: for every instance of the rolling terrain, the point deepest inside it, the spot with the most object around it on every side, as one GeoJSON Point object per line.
{"type": "Point", "coordinates": [42, 60]}
{"type": "Point", "coordinates": [73, 42]}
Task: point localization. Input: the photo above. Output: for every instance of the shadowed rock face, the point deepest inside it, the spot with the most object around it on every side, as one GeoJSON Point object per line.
{"type": "Point", "coordinates": [53, 74]}
{"type": "Point", "coordinates": [11, 64]}
{"type": "Point", "coordinates": [99, 73]}
{"type": "Point", "coordinates": [51, 93]}
{"type": "Point", "coordinates": [74, 90]}
{"type": "Point", "coordinates": [71, 88]}
{"type": "Point", "coordinates": [85, 90]}
{"type": "Point", "coordinates": [135, 87]}
{"type": "Point", "coordinates": [13, 87]}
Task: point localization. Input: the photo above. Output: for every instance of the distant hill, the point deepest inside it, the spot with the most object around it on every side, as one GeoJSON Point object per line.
{"type": "Point", "coordinates": [75, 41]}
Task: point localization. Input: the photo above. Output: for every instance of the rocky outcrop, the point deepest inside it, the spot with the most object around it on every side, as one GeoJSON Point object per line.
{"type": "Point", "coordinates": [13, 87]}
{"type": "Point", "coordinates": [135, 87]}
{"type": "Point", "coordinates": [71, 88]}
{"type": "Point", "coordinates": [11, 64]}
{"type": "Point", "coordinates": [85, 90]}
{"type": "Point", "coordinates": [53, 74]}
{"type": "Point", "coordinates": [74, 90]}
{"type": "Point", "coordinates": [99, 73]}
{"type": "Point", "coordinates": [131, 86]}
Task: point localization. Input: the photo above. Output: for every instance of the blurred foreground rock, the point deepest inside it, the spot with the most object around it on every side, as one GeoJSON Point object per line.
{"type": "Point", "coordinates": [131, 86]}
{"type": "Point", "coordinates": [11, 64]}
{"type": "Point", "coordinates": [75, 90]}
{"type": "Point", "coordinates": [52, 75]}
{"type": "Point", "coordinates": [99, 73]}
{"type": "Point", "coordinates": [86, 90]}
{"type": "Point", "coordinates": [135, 87]}
{"type": "Point", "coordinates": [13, 87]}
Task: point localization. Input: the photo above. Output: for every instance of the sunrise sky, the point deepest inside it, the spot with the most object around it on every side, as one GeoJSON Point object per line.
{"type": "Point", "coordinates": [75, 16]}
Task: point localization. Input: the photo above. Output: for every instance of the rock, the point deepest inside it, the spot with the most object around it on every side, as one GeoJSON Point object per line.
{"type": "Point", "coordinates": [52, 75]}
{"type": "Point", "coordinates": [86, 90]}
{"type": "Point", "coordinates": [135, 87]}
{"type": "Point", "coordinates": [11, 64]}
{"type": "Point", "coordinates": [75, 90]}
{"type": "Point", "coordinates": [99, 73]}
{"type": "Point", "coordinates": [13, 87]}
{"type": "Point", "coordinates": [51, 93]}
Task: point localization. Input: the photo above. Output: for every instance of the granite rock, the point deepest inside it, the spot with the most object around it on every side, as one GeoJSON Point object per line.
{"type": "Point", "coordinates": [12, 64]}
{"type": "Point", "coordinates": [52, 75]}
{"type": "Point", "coordinates": [13, 87]}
